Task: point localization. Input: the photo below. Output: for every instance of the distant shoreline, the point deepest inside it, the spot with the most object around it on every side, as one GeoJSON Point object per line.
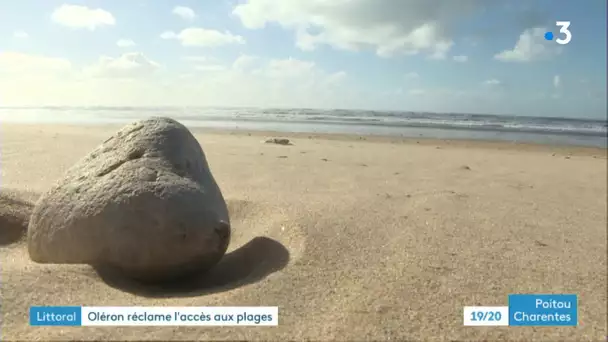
{"type": "Point", "coordinates": [287, 109]}
{"type": "Point", "coordinates": [408, 125]}
{"type": "Point", "coordinates": [372, 138]}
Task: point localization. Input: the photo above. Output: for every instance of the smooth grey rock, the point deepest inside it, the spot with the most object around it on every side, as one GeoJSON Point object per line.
{"type": "Point", "coordinates": [143, 202]}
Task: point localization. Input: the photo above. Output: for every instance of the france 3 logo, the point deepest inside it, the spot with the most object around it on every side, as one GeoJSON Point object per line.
{"type": "Point", "coordinates": [564, 29]}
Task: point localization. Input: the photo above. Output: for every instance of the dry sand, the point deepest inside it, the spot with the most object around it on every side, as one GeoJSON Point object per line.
{"type": "Point", "coordinates": [353, 238]}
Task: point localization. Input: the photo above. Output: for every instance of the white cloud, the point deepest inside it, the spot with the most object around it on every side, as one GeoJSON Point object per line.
{"type": "Point", "coordinates": [253, 81]}
{"type": "Point", "coordinates": [205, 63]}
{"type": "Point", "coordinates": [336, 77]}
{"type": "Point", "coordinates": [56, 81]}
{"type": "Point", "coordinates": [211, 67]}
{"type": "Point", "coordinates": [289, 68]}
{"type": "Point", "coordinates": [186, 13]}
{"type": "Point", "coordinates": [186, 76]}
{"type": "Point", "coordinates": [20, 34]}
{"type": "Point", "coordinates": [199, 59]}
{"type": "Point", "coordinates": [531, 46]}
{"type": "Point", "coordinates": [391, 27]}
{"type": "Point", "coordinates": [23, 64]}
{"type": "Point", "coordinates": [461, 59]}
{"type": "Point", "coordinates": [441, 50]}
{"type": "Point", "coordinates": [244, 62]}
{"type": "Point", "coordinates": [75, 16]}
{"type": "Point", "coordinates": [286, 82]}
{"type": "Point", "coordinates": [125, 43]}
{"type": "Point", "coordinates": [196, 36]}
{"type": "Point", "coordinates": [128, 65]}
{"type": "Point", "coordinates": [492, 82]}
{"type": "Point", "coordinates": [556, 82]}
{"type": "Point", "coordinates": [133, 79]}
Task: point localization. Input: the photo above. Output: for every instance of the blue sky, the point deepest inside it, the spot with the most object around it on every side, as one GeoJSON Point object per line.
{"type": "Point", "coordinates": [477, 56]}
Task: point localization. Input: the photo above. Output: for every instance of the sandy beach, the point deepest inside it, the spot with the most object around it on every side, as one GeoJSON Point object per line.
{"type": "Point", "coordinates": [353, 238]}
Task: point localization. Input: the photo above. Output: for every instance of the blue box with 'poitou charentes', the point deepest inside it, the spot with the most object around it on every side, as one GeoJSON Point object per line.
{"type": "Point", "coordinates": [543, 310]}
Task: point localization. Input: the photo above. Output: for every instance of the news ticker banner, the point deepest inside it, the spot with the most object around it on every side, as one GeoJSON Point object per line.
{"type": "Point", "coordinates": [523, 310]}
{"type": "Point", "coordinates": [526, 310]}
{"type": "Point", "coordinates": [153, 316]}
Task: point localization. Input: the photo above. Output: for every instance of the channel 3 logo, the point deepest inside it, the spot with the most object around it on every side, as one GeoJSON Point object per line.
{"type": "Point", "coordinates": [563, 29]}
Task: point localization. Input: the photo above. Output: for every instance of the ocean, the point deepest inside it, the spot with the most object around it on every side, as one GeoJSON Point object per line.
{"type": "Point", "coordinates": [530, 129]}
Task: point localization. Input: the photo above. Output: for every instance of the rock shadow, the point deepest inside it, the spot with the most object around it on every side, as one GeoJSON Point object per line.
{"type": "Point", "coordinates": [246, 265]}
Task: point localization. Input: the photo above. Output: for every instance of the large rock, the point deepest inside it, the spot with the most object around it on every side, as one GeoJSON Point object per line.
{"type": "Point", "coordinates": [143, 202]}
